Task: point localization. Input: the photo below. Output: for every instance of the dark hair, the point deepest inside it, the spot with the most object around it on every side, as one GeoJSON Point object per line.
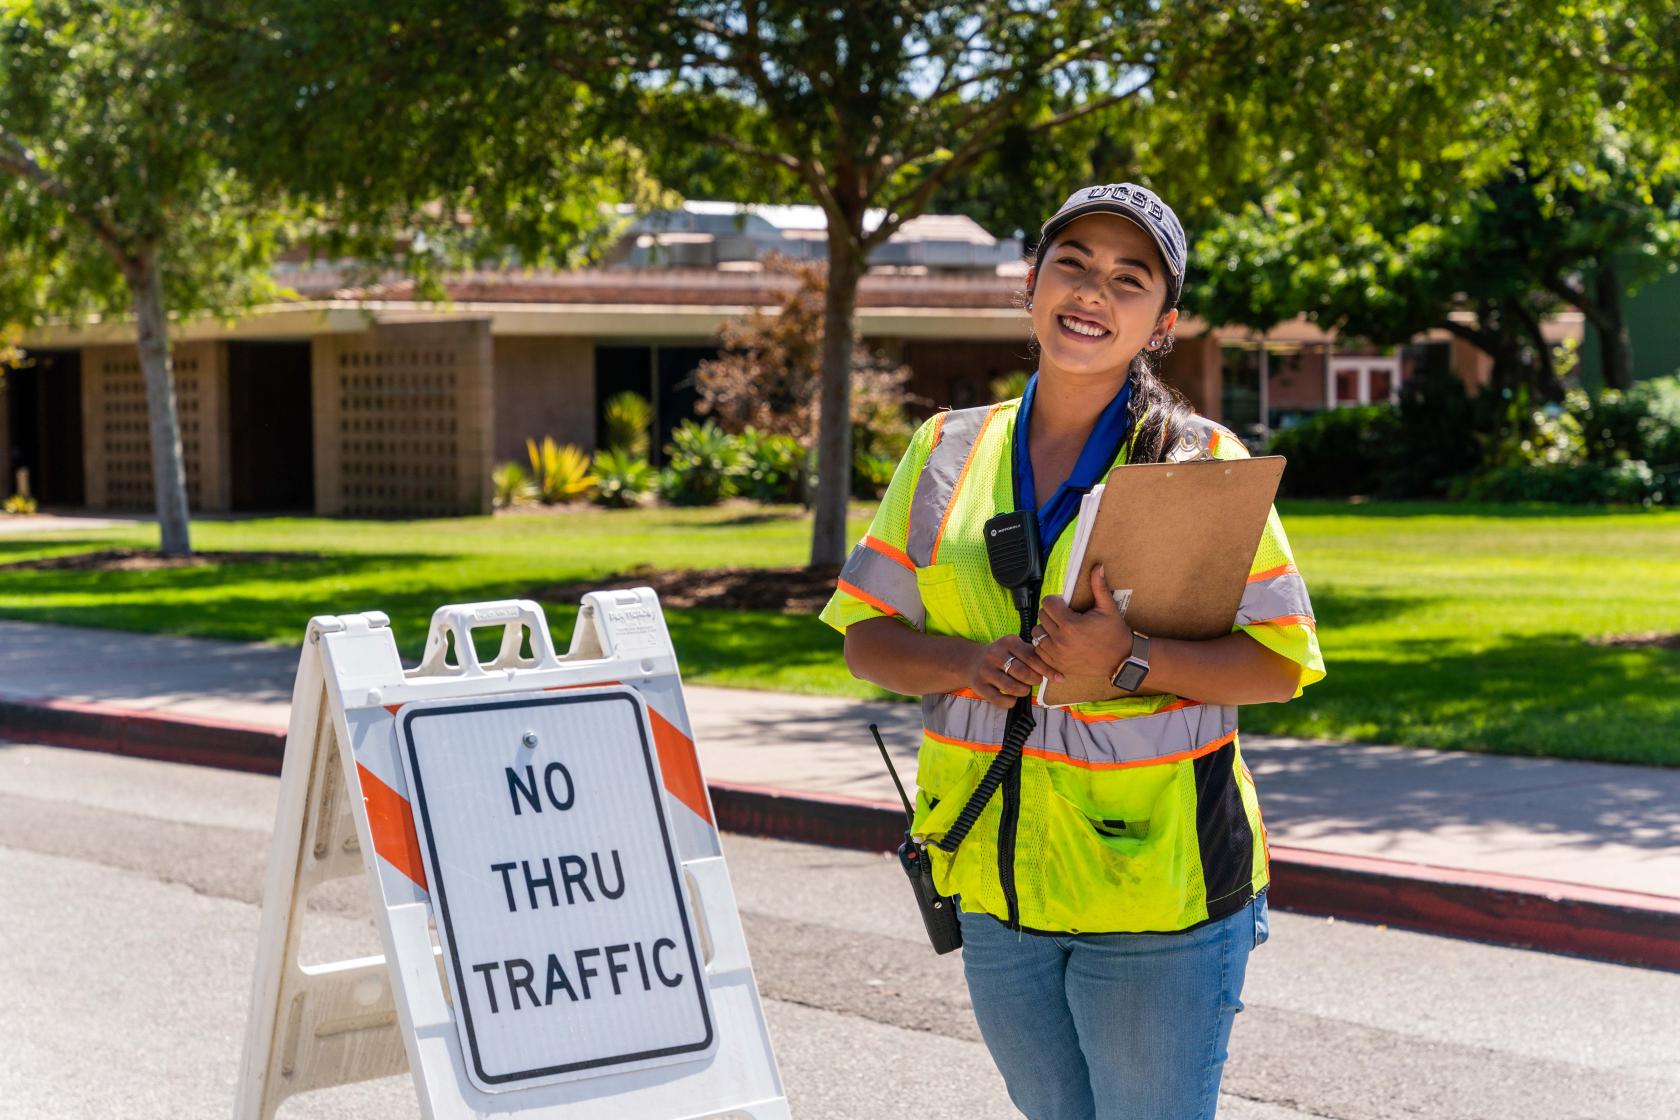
{"type": "Point", "coordinates": [1159, 412]}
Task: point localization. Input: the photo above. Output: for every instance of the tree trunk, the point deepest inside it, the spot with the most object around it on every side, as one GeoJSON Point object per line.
{"type": "Point", "coordinates": [1538, 366]}
{"type": "Point", "coordinates": [169, 476]}
{"type": "Point", "coordinates": [834, 418]}
{"type": "Point", "coordinates": [1615, 347]}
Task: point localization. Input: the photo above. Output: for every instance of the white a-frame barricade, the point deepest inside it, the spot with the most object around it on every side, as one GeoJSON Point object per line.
{"type": "Point", "coordinates": [561, 937]}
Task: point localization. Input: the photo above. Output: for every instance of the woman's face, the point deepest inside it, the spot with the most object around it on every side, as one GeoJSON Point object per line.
{"type": "Point", "coordinates": [1096, 299]}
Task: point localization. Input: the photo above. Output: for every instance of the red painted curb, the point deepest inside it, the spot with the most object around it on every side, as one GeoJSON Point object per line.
{"type": "Point", "coordinates": [1625, 927]}
{"type": "Point", "coordinates": [141, 734]}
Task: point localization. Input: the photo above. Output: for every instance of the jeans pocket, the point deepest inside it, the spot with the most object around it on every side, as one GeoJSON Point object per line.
{"type": "Point", "coordinates": [1262, 919]}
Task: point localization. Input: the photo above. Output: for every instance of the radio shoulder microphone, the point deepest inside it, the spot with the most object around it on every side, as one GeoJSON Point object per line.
{"type": "Point", "coordinates": [1013, 553]}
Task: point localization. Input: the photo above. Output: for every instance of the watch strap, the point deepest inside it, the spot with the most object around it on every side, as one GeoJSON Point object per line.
{"type": "Point", "coordinates": [1129, 677]}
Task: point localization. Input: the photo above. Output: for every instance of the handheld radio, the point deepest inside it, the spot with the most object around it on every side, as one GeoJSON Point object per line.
{"type": "Point", "coordinates": [939, 912]}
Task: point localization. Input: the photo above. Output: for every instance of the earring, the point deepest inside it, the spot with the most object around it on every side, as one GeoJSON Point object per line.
{"type": "Point", "coordinates": [1154, 344]}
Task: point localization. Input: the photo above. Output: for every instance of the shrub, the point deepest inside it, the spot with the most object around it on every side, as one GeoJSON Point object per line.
{"type": "Point", "coordinates": [629, 418]}
{"type": "Point", "coordinates": [776, 467]}
{"type": "Point", "coordinates": [561, 471]}
{"type": "Point", "coordinates": [1337, 453]}
{"type": "Point", "coordinates": [704, 465]}
{"type": "Point", "coordinates": [511, 485]}
{"type": "Point", "coordinates": [20, 503]}
{"type": "Point", "coordinates": [871, 473]}
{"type": "Point", "coordinates": [621, 479]}
{"type": "Point", "coordinates": [1630, 482]}
{"type": "Point", "coordinates": [1641, 423]}
{"type": "Point", "coordinates": [1010, 385]}
{"type": "Point", "coordinates": [1437, 438]}
{"type": "Point", "coordinates": [769, 372]}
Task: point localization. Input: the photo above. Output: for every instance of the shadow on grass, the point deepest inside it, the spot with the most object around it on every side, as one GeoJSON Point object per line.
{"type": "Point", "coordinates": [1335, 608]}
{"type": "Point", "coordinates": [761, 517]}
{"type": "Point", "coordinates": [1549, 695]}
{"type": "Point", "coordinates": [211, 600]}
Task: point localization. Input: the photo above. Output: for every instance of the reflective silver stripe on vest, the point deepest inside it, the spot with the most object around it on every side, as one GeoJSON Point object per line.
{"type": "Point", "coordinates": [959, 434]}
{"type": "Point", "coordinates": [1282, 596]}
{"type": "Point", "coordinates": [885, 579]}
{"type": "Point", "coordinates": [1138, 739]}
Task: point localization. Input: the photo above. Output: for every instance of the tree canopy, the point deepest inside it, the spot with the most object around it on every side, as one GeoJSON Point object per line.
{"type": "Point", "coordinates": [518, 112]}
{"type": "Point", "coordinates": [1480, 173]}
{"type": "Point", "coordinates": [113, 199]}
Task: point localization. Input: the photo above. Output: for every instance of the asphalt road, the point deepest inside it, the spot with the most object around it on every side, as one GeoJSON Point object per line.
{"type": "Point", "coordinates": [129, 904]}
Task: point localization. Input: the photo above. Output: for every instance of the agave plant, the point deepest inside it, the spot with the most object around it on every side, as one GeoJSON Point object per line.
{"type": "Point", "coordinates": [511, 485]}
{"type": "Point", "coordinates": [629, 417]}
{"type": "Point", "coordinates": [622, 479]}
{"type": "Point", "coordinates": [561, 471]}
{"type": "Point", "coordinates": [706, 465]}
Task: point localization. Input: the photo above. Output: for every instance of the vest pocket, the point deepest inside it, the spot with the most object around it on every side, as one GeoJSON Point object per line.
{"type": "Point", "coordinates": [1119, 861]}
{"type": "Point", "coordinates": [942, 599]}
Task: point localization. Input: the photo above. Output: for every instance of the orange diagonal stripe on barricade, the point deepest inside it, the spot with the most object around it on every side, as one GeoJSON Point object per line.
{"type": "Point", "coordinates": [391, 820]}
{"type": "Point", "coordinates": [679, 765]}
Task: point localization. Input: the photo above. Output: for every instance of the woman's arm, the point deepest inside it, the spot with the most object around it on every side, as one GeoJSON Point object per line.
{"type": "Point", "coordinates": [1233, 669]}
{"type": "Point", "coordinates": [886, 652]}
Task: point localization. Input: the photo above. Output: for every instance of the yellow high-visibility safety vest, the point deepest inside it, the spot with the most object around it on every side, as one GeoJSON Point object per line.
{"type": "Point", "coordinates": [1132, 815]}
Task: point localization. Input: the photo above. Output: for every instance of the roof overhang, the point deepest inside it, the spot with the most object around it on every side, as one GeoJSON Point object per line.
{"type": "Point", "coordinates": [605, 321]}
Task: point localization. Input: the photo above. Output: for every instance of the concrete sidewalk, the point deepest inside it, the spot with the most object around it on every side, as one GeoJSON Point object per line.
{"type": "Point", "coordinates": [1364, 825]}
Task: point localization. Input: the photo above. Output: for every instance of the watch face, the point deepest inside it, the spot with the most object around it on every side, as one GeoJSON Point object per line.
{"type": "Point", "coordinates": [1130, 676]}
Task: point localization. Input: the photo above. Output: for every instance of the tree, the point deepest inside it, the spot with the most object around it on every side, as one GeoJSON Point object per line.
{"type": "Point", "coordinates": [868, 109]}
{"type": "Point", "coordinates": [429, 137]}
{"type": "Point", "coordinates": [1498, 166]}
{"type": "Point", "coordinates": [770, 371]}
{"type": "Point", "coordinates": [112, 199]}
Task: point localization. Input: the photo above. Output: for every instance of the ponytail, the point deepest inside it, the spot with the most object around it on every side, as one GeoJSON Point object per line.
{"type": "Point", "coordinates": [1159, 412]}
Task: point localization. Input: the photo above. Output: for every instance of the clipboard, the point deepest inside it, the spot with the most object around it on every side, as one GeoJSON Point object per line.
{"type": "Point", "coordinates": [1176, 541]}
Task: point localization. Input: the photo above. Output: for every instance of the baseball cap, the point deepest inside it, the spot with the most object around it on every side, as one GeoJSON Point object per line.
{"type": "Point", "coordinates": [1129, 200]}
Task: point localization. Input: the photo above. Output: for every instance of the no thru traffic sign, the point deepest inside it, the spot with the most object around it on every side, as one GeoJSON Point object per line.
{"type": "Point", "coordinates": [563, 915]}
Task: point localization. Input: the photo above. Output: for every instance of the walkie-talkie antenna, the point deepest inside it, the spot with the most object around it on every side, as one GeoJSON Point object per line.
{"type": "Point", "coordinates": [909, 813]}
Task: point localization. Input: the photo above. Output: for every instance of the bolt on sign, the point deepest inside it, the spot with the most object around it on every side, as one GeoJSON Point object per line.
{"type": "Point", "coordinates": [561, 936]}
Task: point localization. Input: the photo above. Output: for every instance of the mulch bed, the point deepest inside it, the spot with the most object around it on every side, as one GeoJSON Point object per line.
{"type": "Point", "coordinates": [784, 590]}
{"type": "Point", "coordinates": [148, 560]}
{"type": "Point", "coordinates": [1651, 639]}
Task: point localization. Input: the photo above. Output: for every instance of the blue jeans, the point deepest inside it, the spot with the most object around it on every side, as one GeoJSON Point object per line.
{"type": "Point", "coordinates": [1110, 1026]}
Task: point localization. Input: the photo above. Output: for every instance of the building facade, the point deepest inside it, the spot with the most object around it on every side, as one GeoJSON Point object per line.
{"type": "Point", "coordinates": [379, 405]}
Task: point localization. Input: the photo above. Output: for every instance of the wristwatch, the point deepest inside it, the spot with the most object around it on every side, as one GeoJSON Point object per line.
{"type": "Point", "coordinates": [1129, 677]}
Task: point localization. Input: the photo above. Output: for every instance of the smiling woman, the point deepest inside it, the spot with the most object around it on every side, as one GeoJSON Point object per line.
{"type": "Point", "coordinates": [1125, 838]}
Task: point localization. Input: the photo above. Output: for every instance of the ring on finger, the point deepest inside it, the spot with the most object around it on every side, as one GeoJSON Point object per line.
{"type": "Point", "coordinates": [1037, 638]}
{"type": "Point", "coordinates": [1010, 660]}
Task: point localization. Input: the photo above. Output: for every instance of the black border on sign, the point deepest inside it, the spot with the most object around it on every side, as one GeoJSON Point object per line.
{"type": "Point", "coordinates": [443, 900]}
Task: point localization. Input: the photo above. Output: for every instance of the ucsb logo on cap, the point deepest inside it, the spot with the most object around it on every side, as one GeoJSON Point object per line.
{"type": "Point", "coordinates": [1136, 197]}
{"type": "Point", "coordinates": [1120, 192]}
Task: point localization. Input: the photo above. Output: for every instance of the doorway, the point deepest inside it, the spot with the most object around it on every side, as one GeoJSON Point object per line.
{"type": "Point", "coordinates": [271, 427]}
{"type": "Point", "coordinates": [44, 427]}
{"type": "Point", "coordinates": [661, 375]}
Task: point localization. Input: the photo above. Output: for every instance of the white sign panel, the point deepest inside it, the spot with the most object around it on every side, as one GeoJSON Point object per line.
{"type": "Point", "coordinates": [560, 904]}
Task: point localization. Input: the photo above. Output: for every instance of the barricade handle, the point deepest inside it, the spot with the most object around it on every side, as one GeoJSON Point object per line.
{"type": "Point", "coordinates": [459, 620]}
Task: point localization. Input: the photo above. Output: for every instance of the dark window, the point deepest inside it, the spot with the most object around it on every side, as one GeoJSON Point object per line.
{"type": "Point", "coordinates": [271, 427]}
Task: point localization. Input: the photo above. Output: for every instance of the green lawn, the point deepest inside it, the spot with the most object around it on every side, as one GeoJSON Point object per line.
{"type": "Point", "coordinates": [1443, 625]}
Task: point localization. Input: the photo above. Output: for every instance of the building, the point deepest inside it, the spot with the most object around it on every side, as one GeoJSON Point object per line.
{"type": "Point", "coordinates": [1651, 313]}
{"type": "Point", "coordinates": [372, 403]}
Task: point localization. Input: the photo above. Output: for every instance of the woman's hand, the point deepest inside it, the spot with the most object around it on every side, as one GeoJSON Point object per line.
{"type": "Point", "coordinates": [1091, 643]}
{"type": "Point", "coordinates": [1007, 669]}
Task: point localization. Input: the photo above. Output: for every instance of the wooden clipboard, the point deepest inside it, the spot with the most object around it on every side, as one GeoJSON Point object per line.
{"type": "Point", "coordinates": [1180, 537]}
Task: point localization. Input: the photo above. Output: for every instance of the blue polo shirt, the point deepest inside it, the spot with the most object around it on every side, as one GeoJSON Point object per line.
{"type": "Point", "coordinates": [1095, 459]}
